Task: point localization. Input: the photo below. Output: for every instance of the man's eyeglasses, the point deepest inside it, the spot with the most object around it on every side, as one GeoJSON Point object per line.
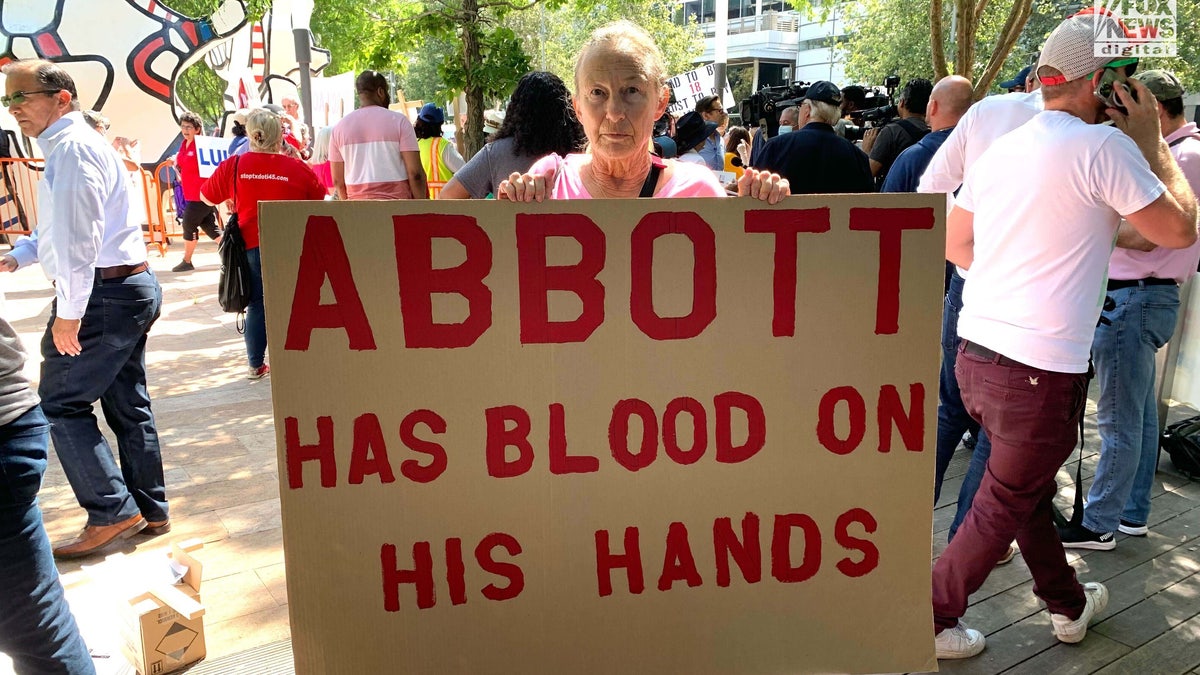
{"type": "Point", "coordinates": [19, 97]}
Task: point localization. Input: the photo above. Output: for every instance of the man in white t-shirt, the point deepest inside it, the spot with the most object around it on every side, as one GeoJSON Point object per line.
{"type": "Point", "coordinates": [1035, 224]}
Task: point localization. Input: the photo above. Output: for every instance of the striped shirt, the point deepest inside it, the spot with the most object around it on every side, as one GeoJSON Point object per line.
{"type": "Point", "coordinates": [368, 142]}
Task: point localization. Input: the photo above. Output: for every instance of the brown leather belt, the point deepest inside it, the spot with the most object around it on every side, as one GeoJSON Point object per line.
{"type": "Point", "coordinates": [120, 271]}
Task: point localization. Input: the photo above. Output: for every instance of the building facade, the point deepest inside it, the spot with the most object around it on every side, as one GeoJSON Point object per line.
{"type": "Point", "coordinates": [769, 44]}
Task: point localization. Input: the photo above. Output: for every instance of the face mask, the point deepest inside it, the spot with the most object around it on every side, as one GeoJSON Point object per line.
{"type": "Point", "coordinates": [785, 128]}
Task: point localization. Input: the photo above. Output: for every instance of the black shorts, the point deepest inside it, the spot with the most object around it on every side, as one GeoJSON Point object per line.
{"type": "Point", "coordinates": [199, 216]}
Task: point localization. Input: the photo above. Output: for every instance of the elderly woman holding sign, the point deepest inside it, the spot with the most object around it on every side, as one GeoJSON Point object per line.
{"type": "Point", "coordinates": [619, 92]}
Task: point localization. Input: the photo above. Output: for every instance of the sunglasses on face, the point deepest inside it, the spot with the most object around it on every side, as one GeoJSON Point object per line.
{"type": "Point", "coordinates": [19, 97]}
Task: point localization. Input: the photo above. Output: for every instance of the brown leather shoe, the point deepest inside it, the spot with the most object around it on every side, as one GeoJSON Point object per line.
{"type": "Point", "coordinates": [93, 538]}
{"type": "Point", "coordinates": [157, 527]}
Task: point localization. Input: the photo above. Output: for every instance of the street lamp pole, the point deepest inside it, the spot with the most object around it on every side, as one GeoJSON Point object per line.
{"type": "Point", "coordinates": [301, 18]}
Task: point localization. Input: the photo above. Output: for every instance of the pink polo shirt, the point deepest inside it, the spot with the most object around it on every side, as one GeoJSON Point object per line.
{"type": "Point", "coordinates": [687, 180]}
{"type": "Point", "coordinates": [1166, 263]}
{"type": "Point", "coordinates": [368, 142]}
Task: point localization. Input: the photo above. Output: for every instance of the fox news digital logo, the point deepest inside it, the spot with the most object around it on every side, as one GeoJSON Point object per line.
{"type": "Point", "coordinates": [1151, 28]}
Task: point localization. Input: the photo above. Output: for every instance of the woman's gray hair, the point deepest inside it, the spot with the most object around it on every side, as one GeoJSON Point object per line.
{"type": "Point", "coordinates": [628, 38]}
{"type": "Point", "coordinates": [264, 130]}
{"type": "Point", "coordinates": [820, 111]}
{"type": "Point", "coordinates": [321, 145]}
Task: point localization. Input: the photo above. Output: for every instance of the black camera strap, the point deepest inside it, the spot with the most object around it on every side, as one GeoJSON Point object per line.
{"type": "Point", "coordinates": [656, 167]}
{"type": "Point", "coordinates": [914, 132]}
{"type": "Point", "coordinates": [1177, 141]}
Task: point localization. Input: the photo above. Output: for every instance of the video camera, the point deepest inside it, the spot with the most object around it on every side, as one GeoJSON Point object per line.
{"type": "Point", "coordinates": [878, 110]}
{"type": "Point", "coordinates": [763, 107]}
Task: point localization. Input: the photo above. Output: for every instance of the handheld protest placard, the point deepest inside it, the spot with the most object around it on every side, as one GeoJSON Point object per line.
{"type": "Point", "coordinates": [638, 436]}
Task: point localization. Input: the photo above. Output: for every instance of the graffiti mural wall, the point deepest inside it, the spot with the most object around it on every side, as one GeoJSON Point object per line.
{"type": "Point", "coordinates": [126, 55]}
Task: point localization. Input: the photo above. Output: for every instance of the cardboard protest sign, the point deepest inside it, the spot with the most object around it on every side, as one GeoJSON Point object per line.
{"type": "Point", "coordinates": [634, 436]}
{"type": "Point", "coordinates": [694, 85]}
{"type": "Point", "coordinates": [210, 152]}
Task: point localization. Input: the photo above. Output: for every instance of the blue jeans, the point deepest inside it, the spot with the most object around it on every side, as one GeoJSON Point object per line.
{"type": "Point", "coordinates": [953, 418]}
{"type": "Point", "coordinates": [1141, 323]}
{"type": "Point", "coordinates": [111, 369]}
{"type": "Point", "coordinates": [256, 318]}
{"type": "Point", "coordinates": [36, 626]}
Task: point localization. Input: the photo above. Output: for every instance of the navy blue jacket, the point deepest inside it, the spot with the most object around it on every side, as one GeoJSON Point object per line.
{"type": "Point", "coordinates": [815, 160]}
{"type": "Point", "coordinates": [906, 172]}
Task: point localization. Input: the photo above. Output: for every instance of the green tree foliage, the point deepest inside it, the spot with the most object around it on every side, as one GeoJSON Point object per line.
{"type": "Point", "coordinates": [970, 18]}
{"type": "Point", "coordinates": [203, 92]}
{"type": "Point", "coordinates": [554, 37]}
{"type": "Point", "coordinates": [198, 8]}
{"type": "Point", "coordinates": [361, 34]}
{"type": "Point", "coordinates": [893, 36]}
{"type": "Point", "coordinates": [886, 37]}
{"type": "Point", "coordinates": [488, 58]}
{"type": "Point", "coordinates": [420, 78]}
{"type": "Point", "coordinates": [1186, 65]}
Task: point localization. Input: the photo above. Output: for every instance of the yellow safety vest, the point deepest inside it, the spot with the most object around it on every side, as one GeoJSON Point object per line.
{"type": "Point", "coordinates": [436, 170]}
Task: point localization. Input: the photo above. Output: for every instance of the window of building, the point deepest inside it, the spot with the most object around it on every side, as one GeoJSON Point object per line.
{"type": "Point", "coordinates": [773, 74]}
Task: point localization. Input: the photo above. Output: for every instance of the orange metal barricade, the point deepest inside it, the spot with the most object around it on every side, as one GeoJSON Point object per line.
{"type": "Point", "coordinates": [19, 211]}
{"type": "Point", "coordinates": [19, 177]}
{"type": "Point", "coordinates": [154, 229]}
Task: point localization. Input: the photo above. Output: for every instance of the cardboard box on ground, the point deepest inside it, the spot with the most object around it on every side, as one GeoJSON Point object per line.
{"type": "Point", "coordinates": [156, 605]}
{"type": "Point", "coordinates": [642, 436]}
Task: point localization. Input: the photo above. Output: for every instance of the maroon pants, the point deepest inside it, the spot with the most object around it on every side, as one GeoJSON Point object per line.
{"type": "Point", "coordinates": [1032, 417]}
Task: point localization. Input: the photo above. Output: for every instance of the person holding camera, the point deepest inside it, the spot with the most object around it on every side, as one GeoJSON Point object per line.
{"type": "Point", "coordinates": [854, 100]}
{"type": "Point", "coordinates": [814, 159]}
{"type": "Point", "coordinates": [884, 145]}
{"type": "Point", "coordinates": [1034, 224]}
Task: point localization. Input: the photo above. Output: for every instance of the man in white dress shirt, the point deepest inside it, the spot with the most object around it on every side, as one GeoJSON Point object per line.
{"type": "Point", "coordinates": [106, 299]}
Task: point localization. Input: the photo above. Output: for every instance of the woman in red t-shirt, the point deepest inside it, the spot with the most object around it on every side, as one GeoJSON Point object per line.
{"type": "Point", "coordinates": [262, 174]}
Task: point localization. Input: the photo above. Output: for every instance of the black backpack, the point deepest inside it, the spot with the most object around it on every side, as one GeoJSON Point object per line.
{"type": "Point", "coordinates": [1182, 442]}
{"type": "Point", "coordinates": [233, 289]}
{"type": "Point", "coordinates": [914, 134]}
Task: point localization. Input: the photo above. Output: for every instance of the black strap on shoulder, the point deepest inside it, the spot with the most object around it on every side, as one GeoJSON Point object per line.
{"type": "Point", "coordinates": [656, 167]}
{"type": "Point", "coordinates": [1177, 141]}
{"type": "Point", "coordinates": [235, 180]}
{"type": "Point", "coordinates": [915, 132]}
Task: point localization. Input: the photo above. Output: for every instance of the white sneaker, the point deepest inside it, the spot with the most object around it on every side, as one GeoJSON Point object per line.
{"type": "Point", "coordinates": [959, 642]}
{"type": "Point", "coordinates": [1070, 631]}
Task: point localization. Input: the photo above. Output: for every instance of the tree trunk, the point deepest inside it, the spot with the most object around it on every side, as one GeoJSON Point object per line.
{"type": "Point", "coordinates": [474, 92]}
{"type": "Point", "coordinates": [1017, 17]}
{"type": "Point", "coordinates": [937, 40]}
{"type": "Point", "coordinates": [968, 23]}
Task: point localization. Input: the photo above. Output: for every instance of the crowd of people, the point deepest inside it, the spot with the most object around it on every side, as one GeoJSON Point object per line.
{"type": "Point", "coordinates": [1039, 192]}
